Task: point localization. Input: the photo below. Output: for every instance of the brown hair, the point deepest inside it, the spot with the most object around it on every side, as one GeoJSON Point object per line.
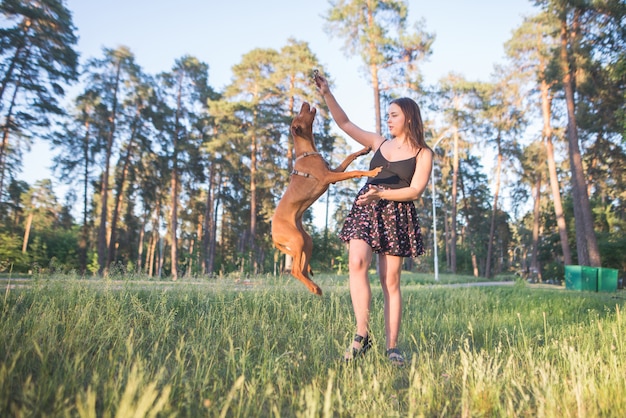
{"type": "Point", "coordinates": [413, 125]}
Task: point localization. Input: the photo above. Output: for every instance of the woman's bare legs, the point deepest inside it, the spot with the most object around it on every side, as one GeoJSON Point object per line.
{"type": "Point", "coordinates": [390, 268]}
{"type": "Point", "coordinates": [359, 260]}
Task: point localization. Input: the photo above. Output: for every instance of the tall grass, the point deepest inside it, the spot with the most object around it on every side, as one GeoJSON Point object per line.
{"type": "Point", "coordinates": [267, 347]}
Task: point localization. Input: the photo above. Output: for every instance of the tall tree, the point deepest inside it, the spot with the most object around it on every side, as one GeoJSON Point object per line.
{"type": "Point", "coordinates": [453, 95]}
{"type": "Point", "coordinates": [501, 121]}
{"type": "Point", "coordinates": [372, 29]}
{"type": "Point", "coordinates": [140, 92]}
{"type": "Point", "coordinates": [570, 53]}
{"type": "Point", "coordinates": [531, 48]}
{"type": "Point", "coordinates": [587, 245]}
{"type": "Point", "coordinates": [222, 150]}
{"type": "Point", "coordinates": [108, 78]}
{"type": "Point", "coordinates": [38, 58]}
{"type": "Point", "coordinates": [80, 132]}
{"type": "Point", "coordinates": [260, 109]}
{"type": "Point", "coordinates": [185, 92]}
{"type": "Point", "coordinates": [599, 58]}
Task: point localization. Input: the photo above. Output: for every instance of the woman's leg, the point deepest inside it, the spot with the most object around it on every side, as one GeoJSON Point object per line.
{"type": "Point", "coordinates": [359, 260]}
{"type": "Point", "coordinates": [390, 267]}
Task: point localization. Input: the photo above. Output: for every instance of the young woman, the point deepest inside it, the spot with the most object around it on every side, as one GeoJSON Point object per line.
{"type": "Point", "coordinates": [383, 219]}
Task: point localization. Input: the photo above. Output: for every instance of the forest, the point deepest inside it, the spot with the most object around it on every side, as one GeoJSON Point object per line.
{"type": "Point", "coordinates": [173, 178]}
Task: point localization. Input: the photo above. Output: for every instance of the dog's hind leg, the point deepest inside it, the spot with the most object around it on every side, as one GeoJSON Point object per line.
{"type": "Point", "coordinates": [298, 270]}
{"type": "Point", "coordinates": [293, 244]}
{"type": "Point", "coordinates": [307, 249]}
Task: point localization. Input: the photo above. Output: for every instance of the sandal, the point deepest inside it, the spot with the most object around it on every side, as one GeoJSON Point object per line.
{"type": "Point", "coordinates": [352, 352]}
{"type": "Point", "coordinates": [395, 356]}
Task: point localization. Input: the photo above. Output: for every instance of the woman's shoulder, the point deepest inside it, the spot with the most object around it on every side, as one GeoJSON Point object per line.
{"type": "Point", "coordinates": [377, 143]}
{"type": "Point", "coordinates": [424, 150]}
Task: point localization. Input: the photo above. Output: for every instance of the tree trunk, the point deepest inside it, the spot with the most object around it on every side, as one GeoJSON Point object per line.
{"type": "Point", "coordinates": [192, 244]}
{"type": "Point", "coordinates": [253, 204]}
{"type": "Point", "coordinates": [467, 222]}
{"type": "Point", "coordinates": [374, 74]}
{"type": "Point", "coordinates": [174, 183]}
{"type": "Point", "coordinates": [117, 208]}
{"type": "Point", "coordinates": [5, 138]}
{"type": "Point", "coordinates": [29, 222]}
{"type": "Point", "coordinates": [142, 234]}
{"type": "Point", "coordinates": [119, 191]}
{"type": "Point", "coordinates": [9, 72]}
{"type": "Point", "coordinates": [586, 243]}
{"type": "Point", "coordinates": [446, 236]}
{"type": "Point", "coordinates": [492, 228]}
{"type": "Point", "coordinates": [213, 242]}
{"type": "Point", "coordinates": [25, 24]}
{"type": "Point", "coordinates": [546, 105]}
{"type": "Point", "coordinates": [453, 223]}
{"type": "Point", "coordinates": [376, 89]}
{"type": "Point", "coordinates": [84, 236]}
{"type": "Point", "coordinates": [104, 190]}
{"type": "Point", "coordinates": [534, 258]}
{"type": "Point", "coordinates": [154, 240]}
{"type": "Point", "coordinates": [5, 82]}
{"type": "Point", "coordinates": [150, 256]}
{"type": "Point", "coordinates": [208, 217]}
{"type": "Point", "coordinates": [174, 221]}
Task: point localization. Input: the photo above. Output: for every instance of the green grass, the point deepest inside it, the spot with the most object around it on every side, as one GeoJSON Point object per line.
{"type": "Point", "coordinates": [266, 347]}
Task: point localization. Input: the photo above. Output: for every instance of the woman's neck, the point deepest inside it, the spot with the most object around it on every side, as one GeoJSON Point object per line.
{"type": "Point", "coordinates": [400, 140]}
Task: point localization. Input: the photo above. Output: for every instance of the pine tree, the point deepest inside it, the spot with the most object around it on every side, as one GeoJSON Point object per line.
{"type": "Point", "coordinates": [38, 58]}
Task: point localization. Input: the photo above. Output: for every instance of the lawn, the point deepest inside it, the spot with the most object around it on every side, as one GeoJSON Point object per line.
{"type": "Point", "coordinates": [266, 347]}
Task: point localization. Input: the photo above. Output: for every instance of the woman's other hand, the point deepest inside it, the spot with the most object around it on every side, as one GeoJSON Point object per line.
{"type": "Point", "coordinates": [370, 196]}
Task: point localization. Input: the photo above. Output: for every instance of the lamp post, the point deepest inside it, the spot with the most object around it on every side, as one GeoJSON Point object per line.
{"type": "Point", "coordinates": [432, 183]}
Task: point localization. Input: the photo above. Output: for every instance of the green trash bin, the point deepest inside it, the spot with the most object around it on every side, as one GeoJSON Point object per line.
{"type": "Point", "coordinates": [581, 278]}
{"type": "Point", "coordinates": [607, 280]}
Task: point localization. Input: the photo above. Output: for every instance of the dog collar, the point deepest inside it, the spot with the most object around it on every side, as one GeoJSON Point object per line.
{"type": "Point", "coordinates": [306, 154]}
{"type": "Point", "coordinates": [300, 173]}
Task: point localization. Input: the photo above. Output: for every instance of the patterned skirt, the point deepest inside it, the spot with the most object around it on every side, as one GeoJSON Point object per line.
{"type": "Point", "coordinates": [389, 227]}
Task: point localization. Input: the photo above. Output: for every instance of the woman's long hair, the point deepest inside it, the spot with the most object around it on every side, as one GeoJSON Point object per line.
{"type": "Point", "coordinates": [413, 125]}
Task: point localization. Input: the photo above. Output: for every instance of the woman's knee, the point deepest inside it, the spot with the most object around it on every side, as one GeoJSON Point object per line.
{"type": "Point", "coordinates": [359, 256]}
{"type": "Point", "coordinates": [358, 262]}
{"type": "Point", "coordinates": [390, 282]}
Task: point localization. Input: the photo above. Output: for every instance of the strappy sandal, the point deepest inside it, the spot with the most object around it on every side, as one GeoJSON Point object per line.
{"type": "Point", "coordinates": [395, 356]}
{"type": "Point", "coordinates": [353, 353]}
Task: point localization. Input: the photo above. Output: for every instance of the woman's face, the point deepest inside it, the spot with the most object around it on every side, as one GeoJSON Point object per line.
{"type": "Point", "coordinates": [395, 120]}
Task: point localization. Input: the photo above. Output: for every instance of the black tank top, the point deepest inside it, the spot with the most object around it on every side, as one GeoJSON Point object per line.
{"type": "Point", "coordinates": [395, 174]}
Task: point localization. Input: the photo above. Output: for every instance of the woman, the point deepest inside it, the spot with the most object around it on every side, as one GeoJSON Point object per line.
{"type": "Point", "coordinates": [383, 219]}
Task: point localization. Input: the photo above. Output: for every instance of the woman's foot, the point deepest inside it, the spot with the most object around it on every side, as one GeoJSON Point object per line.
{"type": "Point", "coordinates": [359, 347]}
{"type": "Point", "coordinates": [395, 357]}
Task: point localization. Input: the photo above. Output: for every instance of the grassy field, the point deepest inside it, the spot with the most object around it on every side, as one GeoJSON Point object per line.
{"type": "Point", "coordinates": [266, 347]}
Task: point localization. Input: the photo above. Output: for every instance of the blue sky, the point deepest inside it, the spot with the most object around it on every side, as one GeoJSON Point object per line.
{"type": "Point", "coordinates": [469, 40]}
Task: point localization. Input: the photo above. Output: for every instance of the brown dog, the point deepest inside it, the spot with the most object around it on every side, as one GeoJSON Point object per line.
{"type": "Point", "coordinates": [310, 179]}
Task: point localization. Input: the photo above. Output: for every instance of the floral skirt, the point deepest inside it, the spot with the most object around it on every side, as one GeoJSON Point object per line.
{"type": "Point", "coordinates": [389, 227]}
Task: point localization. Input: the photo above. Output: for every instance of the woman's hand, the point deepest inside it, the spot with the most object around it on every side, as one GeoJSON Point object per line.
{"type": "Point", "coordinates": [321, 83]}
{"type": "Point", "coordinates": [370, 196]}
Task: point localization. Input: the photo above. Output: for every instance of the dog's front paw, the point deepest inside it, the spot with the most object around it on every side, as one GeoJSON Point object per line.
{"type": "Point", "coordinates": [375, 171]}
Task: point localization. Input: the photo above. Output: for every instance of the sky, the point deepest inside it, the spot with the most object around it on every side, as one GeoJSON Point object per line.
{"type": "Point", "coordinates": [469, 39]}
